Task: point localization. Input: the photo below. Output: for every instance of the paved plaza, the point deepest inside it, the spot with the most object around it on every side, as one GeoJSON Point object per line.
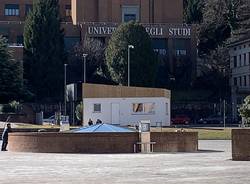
{"type": "Point", "coordinates": [212, 164]}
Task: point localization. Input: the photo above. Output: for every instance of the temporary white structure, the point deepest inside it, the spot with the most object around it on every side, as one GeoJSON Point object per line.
{"type": "Point", "coordinates": [125, 106]}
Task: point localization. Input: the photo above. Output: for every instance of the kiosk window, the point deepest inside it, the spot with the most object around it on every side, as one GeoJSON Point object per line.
{"type": "Point", "coordinates": [97, 108]}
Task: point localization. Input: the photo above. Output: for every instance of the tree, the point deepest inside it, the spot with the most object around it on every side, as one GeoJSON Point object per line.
{"type": "Point", "coordinates": [215, 28]}
{"type": "Point", "coordinates": [11, 83]}
{"type": "Point", "coordinates": [239, 17]}
{"type": "Point", "coordinates": [143, 63]}
{"type": "Point", "coordinates": [193, 11]}
{"type": "Point", "coordinates": [223, 21]}
{"type": "Point", "coordinates": [244, 110]}
{"type": "Point", "coordinates": [44, 51]}
{"type": "Point", "coordinates": [79, 111]}
{"type": "Point", "coordinates": [94, 61]}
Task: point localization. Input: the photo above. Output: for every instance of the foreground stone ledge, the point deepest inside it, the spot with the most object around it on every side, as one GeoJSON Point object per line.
{"type": "Point", "coordinates": [241, 144]}
{"type": "Point", "coordinates": [175, 141]}
{"type": "Point", "coordinates": [51, 142]}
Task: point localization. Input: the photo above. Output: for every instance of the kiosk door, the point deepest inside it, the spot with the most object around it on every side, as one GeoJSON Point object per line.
{"type": "Point", "coordinates": [115, 113]}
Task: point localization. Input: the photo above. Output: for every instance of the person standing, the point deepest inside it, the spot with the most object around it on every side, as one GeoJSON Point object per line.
{"type": "Point", "coordinates": [5, 137]}
{"type": "Point", "coordinates": [90, 122]}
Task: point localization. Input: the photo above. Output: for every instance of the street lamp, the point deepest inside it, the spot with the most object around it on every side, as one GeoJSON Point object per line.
{"type": "Point", "coordinates": [129, 47]}
{"type": "Point", "coordinates": [65, 89]}
{"type": "Point", "coordinates": [84, 72]}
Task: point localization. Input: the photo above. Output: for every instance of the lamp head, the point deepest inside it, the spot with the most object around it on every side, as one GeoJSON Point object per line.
{"type": "Point", "coordinates": [131, 46]}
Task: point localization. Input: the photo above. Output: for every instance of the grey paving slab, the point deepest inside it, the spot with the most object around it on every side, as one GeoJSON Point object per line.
{"type": "Point", "coordinates": [211, 165]}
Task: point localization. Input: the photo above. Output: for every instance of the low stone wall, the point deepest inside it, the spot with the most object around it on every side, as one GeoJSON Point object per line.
{"type": "Point", "coordinates": [14, 130]}
{"type": "Point", "coordinates": [241, 144]}
{"type": "Point", "coordinates": [44, 142]}
{"type": "Point", "coordinates": [175, 141]}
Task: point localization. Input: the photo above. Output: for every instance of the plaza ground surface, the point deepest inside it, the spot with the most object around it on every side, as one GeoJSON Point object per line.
{"type": "Point", "coordinates": [212, 164]}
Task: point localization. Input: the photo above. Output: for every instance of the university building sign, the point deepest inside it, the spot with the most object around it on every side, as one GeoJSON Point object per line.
{"type": "Point", "coordinates": [152, 30]}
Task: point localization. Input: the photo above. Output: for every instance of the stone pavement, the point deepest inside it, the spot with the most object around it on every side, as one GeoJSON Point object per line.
{"type": "Point", "coordinates": [211, 165]}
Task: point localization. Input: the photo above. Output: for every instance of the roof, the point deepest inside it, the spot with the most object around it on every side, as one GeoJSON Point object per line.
{"type": "Point", "coordinates": [110, 91]}
{"type": "Point", "coordinates": [241, 40]}
{"type": "Point", "coordinates": [103, 127]}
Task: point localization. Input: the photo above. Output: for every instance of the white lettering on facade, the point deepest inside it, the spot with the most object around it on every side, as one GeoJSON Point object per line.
{"type": "Point", "coordinates": [179, 32]}
{"type": "Point", "coordinates": [152, 31]}
{"type": "Point", "coordinates": [95, 30]}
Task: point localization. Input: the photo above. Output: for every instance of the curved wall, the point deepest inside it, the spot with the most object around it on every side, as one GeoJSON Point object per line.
{"type": "Point", "coordinates": [43, 142]}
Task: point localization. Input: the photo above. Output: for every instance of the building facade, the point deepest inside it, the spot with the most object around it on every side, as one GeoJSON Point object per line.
{"type": "Point", "coordinates": [240, 72]}
{"type": "Point", "coordinates": [174, 43]}
{"type": "Point", "coordinates": [14, 12]}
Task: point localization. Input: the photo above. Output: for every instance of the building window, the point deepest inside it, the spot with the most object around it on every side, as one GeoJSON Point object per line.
{"type": "Point", "coordinates": [143, 108]}
{"type": "Point", "coordinates": [167, 108]}
{"type": "Point", "coordinates": [240, 60]}
{"type": "Point", "coordinates": [70, 41]}
{"type": "Point", "coordinates": [11, 10]}
{"type": "Point", "coordinates": [97, 108]}
{"type": "Point", "coordinates": [68, 10]}
{"type": "Point", "coordinates": [245, 59]}
{"type": "Point", "coordinates": [130, 13]}
{"type": "Point", "coordinates": [19, 40]}
{"type": "Point", "coordinates": [160, 46]}
{"type": "Point", "coordinates": [138, 108]}
{"type": "Point", "coordinates": [235, 81]}
{"type": "Point", "coordinates": [245, 80]}
{"type": "Point", "coordinates": [240, 81]}
{"type": "Point", "coordinates": [28, 8]}
{"type": "Point", "coordinates": [249, 58]}
{"type": "Point", "coordinates": [181, 46]}
{"type": "Point", "coordinates": [181, 52]}
{"type": "Point", "coordinates": [129, 17]}
{"type": "Point", "coordinates": [235, 61]}
{"type": "Point", "coordinates": [149, 108]}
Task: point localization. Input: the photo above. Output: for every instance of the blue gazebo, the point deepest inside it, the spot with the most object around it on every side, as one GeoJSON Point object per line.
{"type": "Point", "coordinates": [103, 127]}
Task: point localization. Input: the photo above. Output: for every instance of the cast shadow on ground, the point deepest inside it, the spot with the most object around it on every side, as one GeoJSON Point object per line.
{"type": "Point", "coordinates": [209, 151]}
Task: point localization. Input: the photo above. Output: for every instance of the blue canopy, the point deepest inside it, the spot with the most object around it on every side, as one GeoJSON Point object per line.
{"type": "Point", "coordinates": [103, 127]}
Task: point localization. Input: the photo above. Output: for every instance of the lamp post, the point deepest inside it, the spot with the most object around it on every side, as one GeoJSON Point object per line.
{"type": "Point", "coordinates": [129, 47]}
{"type": "Point", "coordinates": [84, 70]}
{"type": "Point", "coordinates": [65, 89]}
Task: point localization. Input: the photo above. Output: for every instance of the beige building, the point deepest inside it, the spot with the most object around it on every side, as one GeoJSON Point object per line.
{"type": "Point", "coordinates": [240, 71]}
{"type": "Point", "coordinates": [174, 42]}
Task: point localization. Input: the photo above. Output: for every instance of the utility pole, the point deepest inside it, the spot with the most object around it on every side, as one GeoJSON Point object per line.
{"type": "Point", "coordinates": [224, 113]}
{"type": "Point", "coordinates": [65, 89]}
{"type": "Point", "coordinates": [129, 47]}
{"type": "Point", "coordinates": [84, 70]}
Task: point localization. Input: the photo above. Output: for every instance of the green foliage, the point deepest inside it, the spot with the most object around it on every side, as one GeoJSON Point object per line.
{"type": "Point", "coordinates": [11, 83]}
{"type": "Point", "coordinates": [193, 11]}
{"type": "Point", "coordinates": [78, 111]}
{"type": "Point", "coordinates": [223, 20]}
{"type": "Point", "coordinates": [44, 51]}
{"type": "Point", "coordinates": [94, 61]}
{"type": "Point", "coordinates": [244, 110]}
{"type": "Point", "coordinates": [143, 63]}
{"type": "Point", "coordinates": [12, 107]}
